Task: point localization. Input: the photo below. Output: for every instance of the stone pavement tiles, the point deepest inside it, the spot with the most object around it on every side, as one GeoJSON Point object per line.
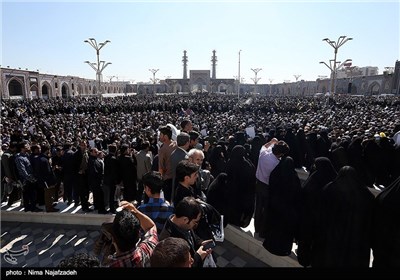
{"type": "Point", "coordinates": [48, 244]}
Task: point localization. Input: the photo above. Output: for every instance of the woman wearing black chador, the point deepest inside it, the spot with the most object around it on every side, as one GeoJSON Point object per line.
{"type": "Point", "coordinates": [343, 232]}
{"type": "Point", "coordinates": [322, 172]}
{"type": "Point", "coordinates": [386, 227]}
{"type": "Point", "coordinates": [240, 195]}
{"type": "Point", "coordinates": [282, 218]}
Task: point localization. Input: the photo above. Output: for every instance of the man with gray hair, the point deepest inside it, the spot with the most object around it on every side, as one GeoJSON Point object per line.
{"type": "Point", "coordinates": [203, 181]}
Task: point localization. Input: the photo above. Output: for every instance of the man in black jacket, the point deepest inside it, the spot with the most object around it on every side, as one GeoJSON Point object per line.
{"type": "Point", "coordinates": [181, 224]}
{"type": "Point", "coordinates": [111, 176]}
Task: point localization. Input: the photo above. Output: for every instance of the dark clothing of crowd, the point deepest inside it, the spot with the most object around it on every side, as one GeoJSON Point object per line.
{"type": "Point", "coordinates": [333, 216]}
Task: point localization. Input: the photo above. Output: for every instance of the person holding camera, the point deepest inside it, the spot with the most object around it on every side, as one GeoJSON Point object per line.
{"type": "Point", "coordinates": [131, 249]}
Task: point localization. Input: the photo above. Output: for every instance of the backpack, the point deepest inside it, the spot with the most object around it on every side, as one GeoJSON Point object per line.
{"type": "Point", "coordinates": [211, 223]}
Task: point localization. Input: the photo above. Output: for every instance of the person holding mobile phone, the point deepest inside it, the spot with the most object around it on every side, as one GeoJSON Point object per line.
{"type": "Point", "coordinates": [181, 224]}
{"type": "Point", "coordinates": [208, 244]}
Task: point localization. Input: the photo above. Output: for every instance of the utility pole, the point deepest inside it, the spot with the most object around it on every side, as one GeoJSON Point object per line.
{"type": "Point", "coordinates": [238, 87]}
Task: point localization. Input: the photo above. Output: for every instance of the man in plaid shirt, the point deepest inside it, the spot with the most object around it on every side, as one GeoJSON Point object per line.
{"type": "Point", "coordinates": [125, 232]}
{"type": "Point", "coordinates": [156, 208]}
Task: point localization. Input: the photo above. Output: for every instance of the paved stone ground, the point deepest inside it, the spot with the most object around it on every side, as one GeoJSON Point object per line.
{"type": "Point", "coordinates": [48, 244]}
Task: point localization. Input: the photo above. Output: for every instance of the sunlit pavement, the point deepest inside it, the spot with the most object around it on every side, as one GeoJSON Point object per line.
{"type": "Point", "coordinates": [32, 241]}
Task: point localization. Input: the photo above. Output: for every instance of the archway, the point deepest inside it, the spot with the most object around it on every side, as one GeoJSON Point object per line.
{"type": "Point", "coordinates": [79, 90]}
{"type": "Point", "coordinates": [222, 88]}
{"type": "Point", "coordinates": [374, 88]}
{"type": "Point", "coordinates": [352, 88]}
{"type": "Point", "coordinates": [64, 91]}
{"type": "Point", "coordinates": [46, 91]}
{"type": "Point", "coordinates": [15, 88]}
{"type": "Point", "coordinates": [177, 88]}
{"type": "Point", "coordinates": [198, 85]}
{"type": "Point", "coordinates": [34, 91]}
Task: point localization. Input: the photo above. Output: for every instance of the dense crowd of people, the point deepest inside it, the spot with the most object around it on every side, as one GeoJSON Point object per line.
{"type": "Point", "coordinates": [236, 158]}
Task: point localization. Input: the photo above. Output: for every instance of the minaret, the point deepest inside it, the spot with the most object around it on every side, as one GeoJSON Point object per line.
{"type": "Point", "coordinates": [396, 78]}
{"type": "Point", "coordinates": [214, 65]}
{"type": "Point", "coordinates": [184, 60]}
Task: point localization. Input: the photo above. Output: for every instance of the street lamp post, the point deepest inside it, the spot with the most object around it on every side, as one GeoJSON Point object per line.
{"type": "Point", "coordinates": [112, 77]}
{"type": "Point", "coordinates": [333, 68]}
{"type": "Point", "coordinates": [255, 79]}
{"type": "Point", "coordinates": [336, 45]}
{"type": "Point", "coordinates": [238, 88]}
{"type": "Point", "coordinates": [100, 65]}
{"type": "Point", "coordinates": [297, 84]}
{"type": "Point", "coordinates": [154, 71]}
{"type": "Point", "coordinates": [167, 83]}
{"type": "Point", "coordinates": [270, 86]}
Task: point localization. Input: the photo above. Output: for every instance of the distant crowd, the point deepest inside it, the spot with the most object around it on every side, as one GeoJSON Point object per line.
{"type": "Point", "coordinates": [236, 158]}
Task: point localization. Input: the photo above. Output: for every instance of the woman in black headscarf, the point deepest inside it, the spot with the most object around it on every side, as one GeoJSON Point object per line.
{"type": "Point", "coordinates": [343, 233]}
{"type": "Point", "coordinates": [386, 227]}
{"type": "Point", "coordinates": [217, 161]}
{"type": "Point", "coordinates": [241, 188]}
{"type": "Point", "coordinates": [216, 193]}
{"type": "Point", "coordinates": [356, 159]}
{"type": "Point", "coordinates": [281, 226]}
{"type": "Point", "coordinates": [322, 172]}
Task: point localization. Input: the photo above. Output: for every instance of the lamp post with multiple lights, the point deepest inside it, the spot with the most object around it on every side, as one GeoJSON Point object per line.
{"type": "Point", "coordinates": [255, 79]}
{"type": "Point", "coordinates": [335, 45]}
{"type": "Point", "coordinates": [333, 68]}
{"type": "Point", "coordinates": [238, 88]}
{"type": "Point", "coordinates": [154, 80]}
{"type": "Point", "coordinates": [100, 65]}
{"type": "Point", "coordinates": [270, 86]}
{"type": "Point", "coordinates": [297, 84]}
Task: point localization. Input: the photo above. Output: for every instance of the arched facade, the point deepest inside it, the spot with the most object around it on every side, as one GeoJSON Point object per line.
{"type": "Point", "coordinates": [222, 87]}
{"type": "Point", "coordinates": [177, 88]}
{"type": "Point", "coordinates": [79, 90]}
{"type": "Point", "coordinates": [373, 89]}
{"type": "Point", "coordinates": [16, 87]}
{"type": "Point", "coordinates": [46, 90]}
{"type": "Point", "coordinates": [25, 84]}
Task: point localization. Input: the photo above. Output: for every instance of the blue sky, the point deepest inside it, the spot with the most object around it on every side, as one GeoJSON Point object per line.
{"type": "Point", "coordinates": [284, 38]}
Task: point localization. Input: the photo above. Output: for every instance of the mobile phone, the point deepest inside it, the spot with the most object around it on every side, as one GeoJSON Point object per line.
{"type": "Point", "coordinates": [209, 245]}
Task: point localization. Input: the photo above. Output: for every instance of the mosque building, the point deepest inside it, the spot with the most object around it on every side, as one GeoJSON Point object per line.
{"type": "Point", "coordinates": [28, 84]}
